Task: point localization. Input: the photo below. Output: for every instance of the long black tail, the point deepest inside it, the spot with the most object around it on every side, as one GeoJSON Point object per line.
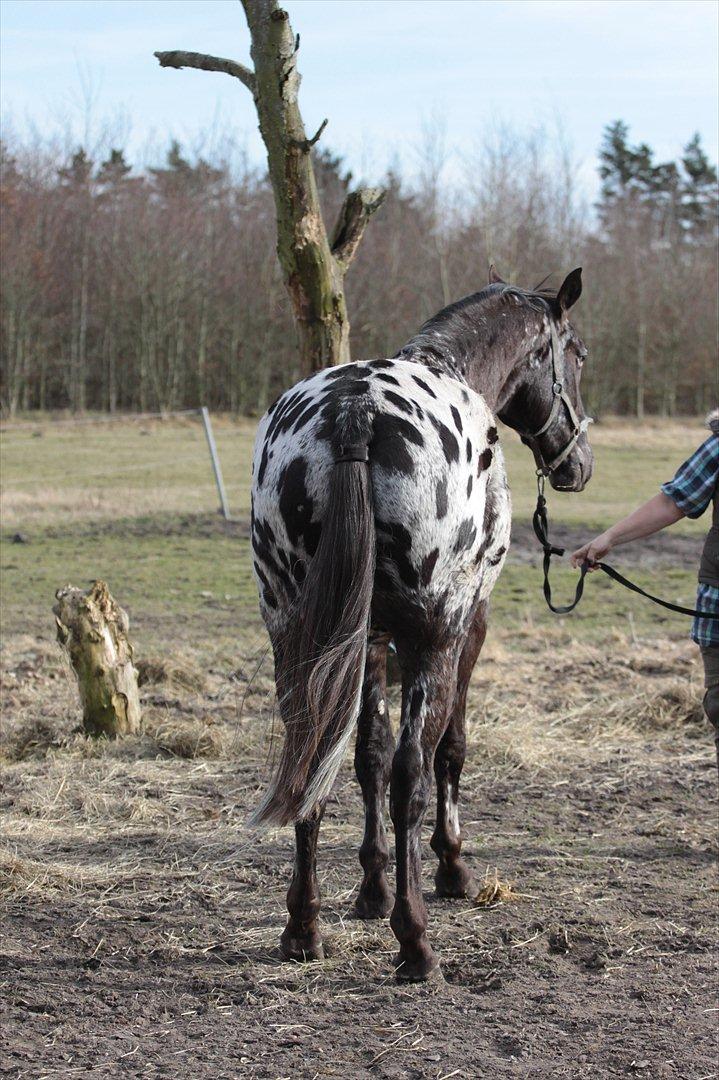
{"type": "Point", "coordinates": [319, 664]}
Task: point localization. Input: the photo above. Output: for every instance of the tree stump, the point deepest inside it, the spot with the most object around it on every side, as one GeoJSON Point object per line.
{"type": "Point", "coordinates": [92, 628]}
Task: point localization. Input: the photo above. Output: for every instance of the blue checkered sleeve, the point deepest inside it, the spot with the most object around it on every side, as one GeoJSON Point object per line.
{"type": "Point", "coordinates": [695, 481]}
{"type": "Point", "coordinates": [706, 631]}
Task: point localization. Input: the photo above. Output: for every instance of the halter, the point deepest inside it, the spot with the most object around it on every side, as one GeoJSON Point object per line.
{"type": "Point", "coordinates": [560, 396]}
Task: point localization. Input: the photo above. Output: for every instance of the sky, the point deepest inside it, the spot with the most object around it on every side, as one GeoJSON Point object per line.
{"type": "Point", "coordinates": [381, 71]}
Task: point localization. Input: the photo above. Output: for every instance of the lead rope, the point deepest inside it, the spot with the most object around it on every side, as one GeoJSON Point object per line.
{"type": "Point", "coordinates": [540, 524]}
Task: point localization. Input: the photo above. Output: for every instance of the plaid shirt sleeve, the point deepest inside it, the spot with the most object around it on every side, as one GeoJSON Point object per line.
{"type": "Point", "coordinates": [695, 481]}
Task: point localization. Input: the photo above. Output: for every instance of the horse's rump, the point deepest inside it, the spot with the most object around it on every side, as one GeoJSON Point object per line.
{"type": "Point", "coordinates": [433, 456]}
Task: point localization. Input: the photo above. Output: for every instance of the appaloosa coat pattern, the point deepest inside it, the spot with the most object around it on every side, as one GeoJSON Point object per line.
{"type": "Point", "coordinates": [381, 514]}
{"type": "Point", "coordinates": [441, 503]}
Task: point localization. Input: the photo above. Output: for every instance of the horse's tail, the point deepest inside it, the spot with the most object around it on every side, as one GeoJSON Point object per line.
{"type": "Point", "coordinates": [320, 658]}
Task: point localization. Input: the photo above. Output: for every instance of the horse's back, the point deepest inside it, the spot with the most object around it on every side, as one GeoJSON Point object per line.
{"type": "Point", "coordinates": [439, 489]}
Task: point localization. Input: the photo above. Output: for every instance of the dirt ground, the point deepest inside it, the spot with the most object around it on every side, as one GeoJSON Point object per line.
{"type": "Point", "coordinates": [141, 919]}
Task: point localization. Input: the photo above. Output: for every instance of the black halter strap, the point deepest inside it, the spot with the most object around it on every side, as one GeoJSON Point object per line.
{"type": "Point", "coordinates": [540, 524]}
{"type": "Point", "coordinates": [559, 397]}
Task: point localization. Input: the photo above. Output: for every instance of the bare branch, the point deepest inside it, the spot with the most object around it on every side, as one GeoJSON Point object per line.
{"type": "Point", "coordinates": [307, 144]}
{"type": "Point", "coordinates": [179, 59]}
{"type": "Point", "coordinates": [358, 208]}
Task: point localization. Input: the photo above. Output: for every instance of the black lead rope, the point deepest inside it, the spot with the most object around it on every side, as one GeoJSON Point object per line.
{"type": "Point", "coordinates": [541, 529]}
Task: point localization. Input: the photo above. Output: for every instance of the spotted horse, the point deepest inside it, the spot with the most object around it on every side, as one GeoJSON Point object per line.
{"type": "Point", "coordinates": [381, 514]}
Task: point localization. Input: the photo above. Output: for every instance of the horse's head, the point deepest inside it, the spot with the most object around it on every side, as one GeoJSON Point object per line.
{"type": "Point", "coordinates": [544, 404]}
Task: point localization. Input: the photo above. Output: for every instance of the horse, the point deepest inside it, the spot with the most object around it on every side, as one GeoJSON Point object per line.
{"type": "Point", "coordinates": [381, 514]}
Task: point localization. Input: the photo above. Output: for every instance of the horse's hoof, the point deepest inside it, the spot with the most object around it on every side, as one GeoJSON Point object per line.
{"type": "Point", "coordinates": [420, 968]}
{"type": "Point", "coordinates": [455, 882]}
{"type": "Point", "coordinates": [301, 949]}
{"type": "Point", "coordinates": [376, 903]}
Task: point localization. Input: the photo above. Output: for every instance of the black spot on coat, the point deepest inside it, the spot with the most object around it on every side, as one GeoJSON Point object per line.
{"type": "Point", "coordinates": [496, 557]}
{"type": "Point", "coordinates": [307, 414]}
{"type": "Point", "coordinates": [424, 386]}
{"type": "Point", "coordinates": [466, 535]}
{"type": "Point", "coordinates": [450, 446]}
{"type": "Point", "coordinates": [485, 460]}
{"type": "Point", "coordinates": [441, 498]}
{"type": "Point", "coordinates": [388, 447]}
{"type": "Point", "coordinates": [398, 401]}
{"type": "Point", "coordinates": [295, 503]}
{"type": "Point", "coordinates": [428, 564]}
{"type": "Point", "coordinates": [263, 464]}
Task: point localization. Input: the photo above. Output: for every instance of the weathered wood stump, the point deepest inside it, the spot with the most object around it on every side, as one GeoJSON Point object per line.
{"type": "Point", "coordinates": [92, 628]}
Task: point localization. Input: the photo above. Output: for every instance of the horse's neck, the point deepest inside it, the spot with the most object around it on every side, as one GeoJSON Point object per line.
{"type": "Point", "coordinates": [486, 361]}
{"type": "Point", "coordinates": [489, 373]}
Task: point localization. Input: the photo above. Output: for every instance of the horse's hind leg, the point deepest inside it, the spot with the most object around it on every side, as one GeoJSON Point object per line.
{"type": "Point", "coordinates": [428, 682]}
{"type": "Point", "coordinates": [373, 761]}
{"type": "Point", "coordinates": [453, 878]}
{"type": "Point", "coordinates": [301, 938]}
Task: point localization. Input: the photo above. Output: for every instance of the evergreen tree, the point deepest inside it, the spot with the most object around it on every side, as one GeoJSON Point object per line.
{"type": "Point", "coordinates": [699, 197]}
{"type": "Point", "coordinates": [79, 170]}
{"type": "Point", "coordinates": [114, 170]}
{"type": "Point", "coordinates": [180, 177]}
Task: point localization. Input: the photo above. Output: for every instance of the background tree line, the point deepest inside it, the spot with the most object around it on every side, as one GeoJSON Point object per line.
{"type": "Point", "coordinates": [158, 288]}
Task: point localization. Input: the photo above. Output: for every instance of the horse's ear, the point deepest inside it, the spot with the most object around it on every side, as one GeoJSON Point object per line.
{"type": "Point", "coordinates": [494, 278]}
{"type": "Point", "coordinates": [570, 290]}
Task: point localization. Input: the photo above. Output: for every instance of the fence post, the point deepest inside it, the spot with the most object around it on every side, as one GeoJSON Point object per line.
{"type": "Point", "coordinates": [215, 462]}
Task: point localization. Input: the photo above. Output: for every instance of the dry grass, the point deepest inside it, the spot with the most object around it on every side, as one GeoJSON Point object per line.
{"type": "Point", "coordinates": [533, 710]}
{"type": "Point", "coordinates": [180, 673]}
{"type": "Point", "coordinates": [494, 891]}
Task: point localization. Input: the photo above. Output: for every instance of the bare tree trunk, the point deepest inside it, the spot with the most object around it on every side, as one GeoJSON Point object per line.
{"type": "Point", "coordinates": [313, 265]}
{"type": "Point", "coordinates": [82, 326]}
{"type": "Point", "coordinates": [92, 628]}
{"type": "Point", "coordinates": [641, 365]}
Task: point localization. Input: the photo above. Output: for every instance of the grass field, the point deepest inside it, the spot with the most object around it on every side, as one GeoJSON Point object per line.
{"type": "Point", "coordinates": [141, 917]}
{"type": "Point", "coordinates": [87, 496]}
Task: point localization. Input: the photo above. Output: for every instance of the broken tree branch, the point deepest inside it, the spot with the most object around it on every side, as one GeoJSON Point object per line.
{"type": "Point", "coordinates": [176, 58]}
{"type": "Point", "coordinates": [357, 209]}
{"type": "Point", "coordinates": [307, 144]}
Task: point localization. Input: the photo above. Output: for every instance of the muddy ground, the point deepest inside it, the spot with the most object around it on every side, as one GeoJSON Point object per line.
{"type": "Point", "coordinates": [140, 919]}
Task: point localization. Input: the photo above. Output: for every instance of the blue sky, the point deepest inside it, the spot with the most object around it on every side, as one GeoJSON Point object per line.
{"type": "Point", "coordinates": [378, 69]}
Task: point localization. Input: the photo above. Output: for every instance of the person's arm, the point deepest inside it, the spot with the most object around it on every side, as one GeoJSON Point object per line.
{"type": "Point", "coordinates": [687, 495]}
{"type": "Point", "coordinates": [654, 515]}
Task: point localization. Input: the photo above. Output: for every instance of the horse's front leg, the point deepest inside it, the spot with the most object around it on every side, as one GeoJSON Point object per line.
{"type": "Point", "coordinates": [427, 693]}
{"type": "Point", "coordinates": [301, 938]}
{"type": "Point", "coordinates": [453, 878]}
{"type": "Point", "coordinates": [373, 761]}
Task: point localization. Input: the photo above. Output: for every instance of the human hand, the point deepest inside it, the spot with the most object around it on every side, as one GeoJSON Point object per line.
{"type": "Point", "coordinates": [592, 552]}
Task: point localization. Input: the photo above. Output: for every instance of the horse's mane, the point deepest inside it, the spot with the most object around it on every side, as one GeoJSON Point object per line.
{"type": "Point", "coordinates": [463, 325]}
